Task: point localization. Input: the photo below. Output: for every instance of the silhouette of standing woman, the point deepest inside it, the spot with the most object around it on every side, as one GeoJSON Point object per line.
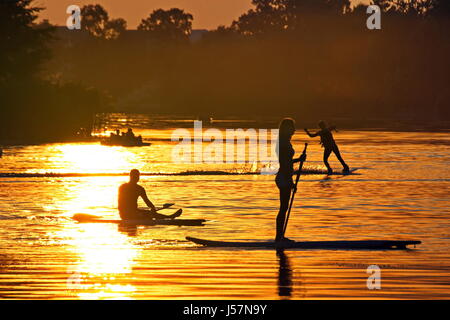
{"type": "Point", "coordinates": [284, 176]}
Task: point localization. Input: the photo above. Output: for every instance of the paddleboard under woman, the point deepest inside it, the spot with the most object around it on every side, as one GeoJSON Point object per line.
{"type": "Point", "coordinates": [284, 176]}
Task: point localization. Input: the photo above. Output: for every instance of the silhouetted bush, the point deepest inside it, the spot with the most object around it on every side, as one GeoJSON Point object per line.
{"type": "Point", "coordinates": [33, 110]}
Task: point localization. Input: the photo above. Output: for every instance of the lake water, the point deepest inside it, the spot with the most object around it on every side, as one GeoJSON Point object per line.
{"type": "Point", "coordinates": [400, 192]}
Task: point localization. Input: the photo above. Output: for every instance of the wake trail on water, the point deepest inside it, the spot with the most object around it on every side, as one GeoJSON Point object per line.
{"type": "Point", "coordinates": [120, 174]}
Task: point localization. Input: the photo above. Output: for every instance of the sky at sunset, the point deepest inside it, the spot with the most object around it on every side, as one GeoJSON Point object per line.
{"type": "Point", "coordinates": [208, 14]}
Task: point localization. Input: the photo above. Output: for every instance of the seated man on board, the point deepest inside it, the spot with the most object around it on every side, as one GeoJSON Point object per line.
{"type": "Point", "coordinates": [129, 194]}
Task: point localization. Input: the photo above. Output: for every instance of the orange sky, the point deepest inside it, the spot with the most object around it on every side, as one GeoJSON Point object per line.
{"type": "Point", "coordinates": [208, 14]}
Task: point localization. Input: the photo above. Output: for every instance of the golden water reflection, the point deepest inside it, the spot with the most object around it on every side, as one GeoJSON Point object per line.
{"type": "Point", "coordinates": [105, 259]}
{"type": "Point", "coordinates": [105, 253]}
{"type": "Point", "coordinates": [93, 195]}
{"type": "Point", "coordinates": [90, 158]}
{"type": "Point", "coordinates": [104, 256]}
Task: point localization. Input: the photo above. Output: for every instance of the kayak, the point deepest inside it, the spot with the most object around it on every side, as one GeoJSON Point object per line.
{"type": "Point", "coordinates": [82, 218]}
{"type": "Point", "coordinates": [350, 244]}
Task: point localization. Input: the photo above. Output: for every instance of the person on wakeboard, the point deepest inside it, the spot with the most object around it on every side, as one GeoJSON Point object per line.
{"type": "Point", "coordinates": [129, 194]}
{"type": "Point", "coordinates": [329, 145]}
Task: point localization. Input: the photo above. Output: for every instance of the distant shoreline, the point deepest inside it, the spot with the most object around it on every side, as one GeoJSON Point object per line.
{"type": "Point", "coordinates": [112, 121]}
{"type": "Point", "coordinates": [17, 142]}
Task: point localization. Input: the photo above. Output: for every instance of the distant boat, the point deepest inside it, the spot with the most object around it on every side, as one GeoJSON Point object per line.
{"type": "Point", "coordinates": [124, 140]}
{"type": "Point", "coordinates": [135, 143]}
{"type": "Point", "coordinates": [205, 119]}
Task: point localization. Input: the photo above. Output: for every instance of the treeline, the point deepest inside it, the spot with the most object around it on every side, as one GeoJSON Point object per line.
{"type": "Point", "coordinates": [305, 58]}
{"type": "Point", "coordinates": [34, 110]}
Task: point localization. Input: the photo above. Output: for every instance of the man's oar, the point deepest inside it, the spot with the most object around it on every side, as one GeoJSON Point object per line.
{"type": "Point", "coordinates": [165, 206]}
{"type": "Point", "coordinates": [294, 191]}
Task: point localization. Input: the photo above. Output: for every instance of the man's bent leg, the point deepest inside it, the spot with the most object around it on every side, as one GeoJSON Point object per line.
{"type": "Point", "coordinates": [147, 214]}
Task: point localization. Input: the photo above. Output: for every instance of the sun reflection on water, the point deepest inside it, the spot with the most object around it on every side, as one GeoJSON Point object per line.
{"type": "Point", "coordinates": [90, 158]}
{"type": "Point", "coordinates": [105, 259]}
{"type": "Point", "coordinates": [89, 195]}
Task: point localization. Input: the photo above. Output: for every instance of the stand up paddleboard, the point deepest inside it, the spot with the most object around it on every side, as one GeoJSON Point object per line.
{"type": "Point", "coordinates": [361, 244]}
{"type": "Point", "coordinates": [86, 218]}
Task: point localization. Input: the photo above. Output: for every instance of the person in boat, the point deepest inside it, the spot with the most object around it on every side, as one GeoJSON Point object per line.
{"type": "Point", "coordinates": [112, 136]}
{"type": "Point", "coordinates": [129, 194]}
{"type": "Point", "coordinates": [329, 145]}
{"type": "Point", "coordinates": [116, 137]}
{"type": "Point", "coordinates": [284, 176]}
{"type": "Point", "coordinates": [130, 137]}
{"type": "Point", "coordinates": [120, 138]}
{"type": "Point", "coordinates": [130, 134]}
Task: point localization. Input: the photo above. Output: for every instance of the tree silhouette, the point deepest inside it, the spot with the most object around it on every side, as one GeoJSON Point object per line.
{"type": "Point", "coordinates": [22, 45]}
{"type": "Point", "coordinates": [32, 109]}
{"type": "Point", "coordinates": [440, 8]}
{"type": "Point", "coordinates": [172, 24]}
{"type": "Point", "coordinates": [418, 7]}
{"type": "Point", "coordinates": [281, 15]}
{"type": "Point", "coordinates": [114, 28]}
{"type": "Point", "coordinates": [95, 20]}
{"type": "Point", "coordinates": [415, 8]}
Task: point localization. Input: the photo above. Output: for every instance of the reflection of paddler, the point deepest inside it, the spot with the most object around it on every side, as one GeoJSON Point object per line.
{"type": "Point", "coordinates": [284, 275]}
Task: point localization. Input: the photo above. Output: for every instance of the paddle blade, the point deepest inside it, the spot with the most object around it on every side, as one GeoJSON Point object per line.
{"type": "Point", "coordinates": [167, 205]}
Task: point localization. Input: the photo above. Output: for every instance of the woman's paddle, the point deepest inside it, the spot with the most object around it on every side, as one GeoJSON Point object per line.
{"type": "Point", "coordinates": [294, 191]}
